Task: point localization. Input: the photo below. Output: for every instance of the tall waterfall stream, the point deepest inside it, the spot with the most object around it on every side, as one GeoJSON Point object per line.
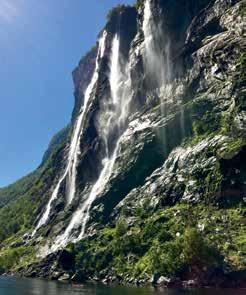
{"type": "Point", "coordinates": [115, 121]}
{"type": "Point", "coordinates": [70, 171]}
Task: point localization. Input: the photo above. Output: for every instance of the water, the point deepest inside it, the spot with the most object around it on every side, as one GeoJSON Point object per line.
{"type": "Point", "coordinates": [115, 74]}
{"type": "Point", "coordinates": [113, 122]}
{"type": "Point", "coordinates": [15, 286]}
{"type": "Point", "coordinates": [112, 125]}
{"type": "Point", "coordinates": [157, 49]}
{"type": "Point", "coordinates": [70, 170]}
{"type": "Point", "coordinates": [158, 64]}
{"type": "Point", "coordinates": [81, 216]}
{"type": "Point", "coordinates": [72, 173]}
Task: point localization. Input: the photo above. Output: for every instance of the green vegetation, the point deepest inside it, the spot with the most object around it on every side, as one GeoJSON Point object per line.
{"type": "Point", "coordinates": [198, 252]}
{"type": "Point", "coordinates": [57, 141]}
{"type": "Point", "coordinates": [19, 214]}
{"type": "Point", "coordinates": [206, 125]}
{"type": "Point", "coordinates": [233, 147]}
{"type": "Point", "coordinates": [139, 3]}
{"type": "Point", "coordinates": [21, 201]}
{"type": "Point", "coordinates": [205, 121]}
{"type": "Point", "coordinates": [115, 11]}
{"type": "Point", "coordinates": [243, 9]}
{"type": "Point", "coordinates": [16, 257]}
{"type": "Point", "coordinates": [242, 63]}
{"type": "Point", "coordinates": [19, 188]}
{"type": "Point", "coordinates": [172, 241]}
{"type": "Point", "coordinates": [32, 182]}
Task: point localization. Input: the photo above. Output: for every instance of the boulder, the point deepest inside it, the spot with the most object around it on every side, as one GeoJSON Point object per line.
{"type": "Point", "coordinates": [64, 278]}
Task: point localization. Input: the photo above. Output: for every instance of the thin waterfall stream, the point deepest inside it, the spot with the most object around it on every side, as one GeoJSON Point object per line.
{"type": "Point", "coordinates": [157, 60]}
{"type": "Point", "coordinates": [70, 171]}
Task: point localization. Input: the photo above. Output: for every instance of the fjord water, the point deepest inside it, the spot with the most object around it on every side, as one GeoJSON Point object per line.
{"type": "Point", "coordinates": [15, 286]}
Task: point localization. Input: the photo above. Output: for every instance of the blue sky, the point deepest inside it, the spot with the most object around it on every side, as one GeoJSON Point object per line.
{"type": "Point", "coordinates": [41, 43]}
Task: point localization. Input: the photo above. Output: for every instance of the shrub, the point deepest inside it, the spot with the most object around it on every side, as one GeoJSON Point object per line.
{"type": "Point", "coordinates": [197, 252]}
{"type": "Point", "coordinates": [121, 228]}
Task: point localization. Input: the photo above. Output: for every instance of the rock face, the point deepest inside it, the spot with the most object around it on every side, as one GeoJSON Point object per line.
{"type": "Point", "coordinates": [161, 148]}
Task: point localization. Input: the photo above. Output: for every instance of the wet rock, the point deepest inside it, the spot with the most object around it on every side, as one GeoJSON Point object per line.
{"type": "Point", "coordinates": [64, 278]}
{"type": "Point", "coordinates": [17, 244]}
{"type": "Point", "coordinates": [26, 237]}
{"type": "Point", "coordinates": [80, 276]}
{"type": "Point", "coordinates": [66, 260]}
{"type": "Point", "coordinates": [154, 279]}
{"type": "Point", "coordinates": [163, 281]}
{"type": "Point", "coordinates": [55, 275]}
{"type": "Point", "coordinates": [190, 284]}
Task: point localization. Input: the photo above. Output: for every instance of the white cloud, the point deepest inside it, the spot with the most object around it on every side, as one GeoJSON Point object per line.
{"type": "Point", "coordinates": [8, 11]}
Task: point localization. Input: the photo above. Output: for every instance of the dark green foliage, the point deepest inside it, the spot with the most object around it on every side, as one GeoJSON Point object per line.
{"type": "Point", "coordinates": [12, 258]}
{"type": "Point", "coordinates": [167, 242]}
{"type": "Point", "coordinates": [18, 189]}
{"type": "Point", "coordinates": [205, 119]}
{"type": "Point", "coordinates": [139, 3]}
{"type": "Point", "coordinates": [121, 228]}
{"type": "Point", "coordinates": [18, 216]}
{"type": "Point", "coordinates": [115, 11]}
{"type": "Point", "coordinates": [243, 9]}
{"type": "Point", "coordinates": [165, 259]}
{"type": "Point", "coordinates": [212, 184]}
{"type": "Point", "coordinates": [21, 201]}
{"type": "Point", "coordinates": [207, 124]}
{"type": "Point", "coordinates": [32, 181]}
{"type": "Point", "coordinates": [197, 252]}
{"type": "Point", "coordinates": [242, 63]}
{"type": "Point", "coordinates": [58, 139]}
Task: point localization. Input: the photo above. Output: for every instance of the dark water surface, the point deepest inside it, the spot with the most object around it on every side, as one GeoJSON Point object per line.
{"type": "Point", "coordinates": [15, 286]}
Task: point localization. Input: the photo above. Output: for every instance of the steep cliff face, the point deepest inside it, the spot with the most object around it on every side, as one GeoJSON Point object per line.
{"type": "Point", "coordinates": [155, 157]}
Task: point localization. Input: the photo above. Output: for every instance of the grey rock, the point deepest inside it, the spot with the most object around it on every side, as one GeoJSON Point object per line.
{"type": "Point", "coordinates": [64, 277]}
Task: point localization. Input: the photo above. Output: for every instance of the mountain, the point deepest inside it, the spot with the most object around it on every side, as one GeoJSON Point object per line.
{"type": "Point", "coordinates": [149, 179]}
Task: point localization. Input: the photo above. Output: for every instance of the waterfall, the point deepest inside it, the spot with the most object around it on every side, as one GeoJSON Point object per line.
{"type": "Point", "coordinates": [157, 58]}
{"type": "Point", "coordinates": [70, 171]}
{"type": "Point", "coordinates": [108, 118]}
{"type": "Point", "coordinates": [116, 120]}
{"type": "Point", "coordinates": [82, 215]}
{"type": "Point", "coordinates": [148, 27]}
{"type": "Point", "coordinates": [157, 61]}
{"type": "Point", "coordinates": [115, 73]}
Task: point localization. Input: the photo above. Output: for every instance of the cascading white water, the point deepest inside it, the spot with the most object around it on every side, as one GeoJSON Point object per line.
{"type": "Point", "coordinates": [148, 26]}
{"type": "Point", "coordinates": [157, 59]}
{"type": "Point", "coordinates": [120, 84]}
{"type": "Point", "coordinates": [81, 216]}
{"type": "Point", "coordinates": [115, 73]}
{"type": "Point", "coordinates": [158, 65]}
{"type": "Point", "coordinates": [70, 171]}
{"type": "Point", "coordinates": [107, 119]}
